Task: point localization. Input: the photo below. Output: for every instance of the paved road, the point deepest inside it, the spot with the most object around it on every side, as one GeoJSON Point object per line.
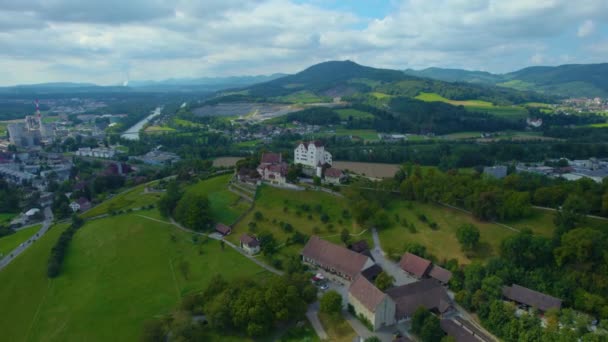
{"type": "Point", "coordinates": [46, 224]}
{"type": "Point", "coordinates": [313, 316]}
{"type": "Point", "coordinates": [401, 277]}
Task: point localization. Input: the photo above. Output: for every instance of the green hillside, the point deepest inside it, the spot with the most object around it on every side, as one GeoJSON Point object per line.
{"type": "Point", "coordinates": [119, 272]}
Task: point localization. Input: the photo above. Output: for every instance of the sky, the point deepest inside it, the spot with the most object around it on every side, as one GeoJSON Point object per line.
{"type": "Point", "coordinates": [111, 41]}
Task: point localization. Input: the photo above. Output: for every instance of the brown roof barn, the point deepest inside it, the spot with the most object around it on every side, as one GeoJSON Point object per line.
{"type": "Point", "coordinates": [428, 293]}
{"type": "Point", "coordinates": [414, 264]}
{"type": "Point", "coordinates": [532, 298]}
{"type": "Point", "coordinates": [223, 229]}
{"type": "Point", "coordinates": [249, 240]}
{"type": "Point", "coordinates": [366, 293]}
{"type": "Point", "coordinates": [333, 173]}
{"type": "Point", "coordinates": [440, 274]}
{"type": "Point", "coordinates": [334, 258]}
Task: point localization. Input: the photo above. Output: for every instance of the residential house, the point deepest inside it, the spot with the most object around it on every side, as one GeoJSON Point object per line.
{"type": "Point", "coordinates": [312, 154]}
{"type": "Point", "coordinates": [272, 168]}
{"type": "Point", "coordinates": [250, 244]}
{"type": "Point", "coordinates": [334, 176]}
{"type": "Point", "coordinates": [335, 259]}
{"type": "Point", "coordinates": [368, 301]}
{"type": "Point", "coordinates": [223, 229]}
{"type": "Point", "coordinates": [427, 293]}
{"type": "Point", "coordinates": [81, 204]}
{"type": "Point", "coordinates": [532, 298]}
{"type": "Point", "coordinates": [415, 265]}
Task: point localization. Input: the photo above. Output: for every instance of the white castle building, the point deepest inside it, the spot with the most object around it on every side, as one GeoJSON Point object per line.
{"type": "Point", "coordinates": [312, 154]}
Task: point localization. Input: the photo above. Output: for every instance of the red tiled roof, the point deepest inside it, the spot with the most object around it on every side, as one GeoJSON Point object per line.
{"type": "Point", "coordinates": [333, 173]}
{"type": "Point", "coordinates": [271, 158]}
{"type": "Point", "coordinates": [428, 293]}
{"type": "Point", "coordinates": [366, 293]}
{"type": "Point", "coordinates": [532, 298]}
{"type": "Point", "coordinates": [414, 264]}
{"type": "Point", "coordinates": [328, 255]}
{"type": "Point", "coordinates": [440, 274]}
{"type": "Point", "coordinates": [223, 229]}
{"type": "Point", "coordinates": [249, 240]}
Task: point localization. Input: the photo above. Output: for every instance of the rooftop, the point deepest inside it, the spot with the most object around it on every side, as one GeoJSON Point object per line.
{"type": "Point", "coordinates": [428, 293]}
{"type": "Point", "coordinates": [530, 297]}
{"type": "Point", "coordinates": [333, 256]}
{"type": "Point", "coordinates": [414, 264]}
{"type": "Point", "coordinates": [366, 293]}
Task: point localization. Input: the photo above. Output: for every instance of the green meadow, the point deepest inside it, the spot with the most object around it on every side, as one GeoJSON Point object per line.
{"type": "Point", "coordinates": [10, 242]}
{"type": "Point", "coordinates": [119, 272]}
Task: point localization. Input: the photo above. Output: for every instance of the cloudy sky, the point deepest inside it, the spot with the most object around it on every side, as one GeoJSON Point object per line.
{"type": "Point", "coordinates": [110, 41]}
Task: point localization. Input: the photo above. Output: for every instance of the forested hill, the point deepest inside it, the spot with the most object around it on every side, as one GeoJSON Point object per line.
{"type": "Point", "coordinates": [347, 78]}
{"type": "Point", "coordinates": [571, 80]}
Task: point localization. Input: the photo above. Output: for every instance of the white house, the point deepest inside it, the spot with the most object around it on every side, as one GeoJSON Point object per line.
{"type": "Point", "coordinates": [311, 154]}
{"type": "Point", "coordinates": [250, 244]}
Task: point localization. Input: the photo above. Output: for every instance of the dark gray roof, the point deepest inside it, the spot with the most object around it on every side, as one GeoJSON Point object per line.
{"type": "Point", "coordinates": [532, 298]}
{"type": "Point", "coordinates": [428, 293]}
{"type": "Point", "coordinates": [460, 332]}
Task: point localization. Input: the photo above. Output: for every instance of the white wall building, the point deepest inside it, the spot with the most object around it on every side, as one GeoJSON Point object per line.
{"type": "Point", "coordinates": [312, 154]}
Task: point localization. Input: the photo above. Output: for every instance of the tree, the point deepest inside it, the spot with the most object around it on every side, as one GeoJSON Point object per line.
{"type": "Point", "coordinates": [345, 236]}
{"type": "Point", "coordinates": [468, 236]}
{"type": "Point", "coordinates": [384, 281]}
{"type": "Point", "coordinates": [168, 202]}
{"type": "Point", "coordinates": [331, 302]}
{"type": "Point", "coordinates": [431, 330]}
{"type": "Point", "coordinates": [418, 319]}
{"type": "Point", "coordinates": [193, 211]}
{"type": "Point", "coordinates": [492, 287]}
{"type": "Point", "coordinates": [571, 214]}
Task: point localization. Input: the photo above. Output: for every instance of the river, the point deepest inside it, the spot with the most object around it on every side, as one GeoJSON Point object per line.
{"type": "Point", "coordinates": [133, 132]}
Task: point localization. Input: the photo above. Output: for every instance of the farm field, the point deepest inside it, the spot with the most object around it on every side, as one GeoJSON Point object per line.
{"type": "Point", "coordinates": [3, 129]}
{"type": "Point", "coordinates": [303, 96]}
{"type": "Point", "coordinates": [10, 242]}
{"type": "Point", "coordinates": [226, 161]}
{"type": "Point", "coordinates": [249, 143]}
{"type": "Point", "coordinates": [226, 206]}
{"type": "Point", "coordinates": [279, 206]}
{"type": "Point", "coordinates": [138, 274]}
{"type": "Point", "coordinates": [159, 129]}
{"type": "Point", "coordinates": [134, 198]}
{"type": "Point", "coordinates": [186, 123]}
{"type": "Point", "coordinates": [345, 114]}
{"type": "Point", "coordinates": [375, 170]}
{"type": "Point", "coordinates": [514, 112]}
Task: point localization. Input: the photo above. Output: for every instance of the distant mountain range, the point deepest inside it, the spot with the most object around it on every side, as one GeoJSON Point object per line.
{"type": "Point", "coordinates": [347, 78]}
{"type": "Point", "coordinates": [570, 80]}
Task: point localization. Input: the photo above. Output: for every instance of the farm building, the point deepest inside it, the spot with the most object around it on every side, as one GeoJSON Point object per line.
{"type": "Point", "coordinates": [415, 265]}
{"type": "Point", "coordinates": [532, 298]}
{"type": "Point", "coordinates": [223, 229]}
{"type": "Point", "coordinates": [250, 244]}
{"type": "Point", "coordinates": [335, 259]}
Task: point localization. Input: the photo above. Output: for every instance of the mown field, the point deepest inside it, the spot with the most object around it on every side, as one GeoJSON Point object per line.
{"type": "Point", "coordinates": [513, 112]}
{"type": "Point", "coordinates": [10, 242]}
{"type": "Point", "coordinates": [226, 161]}
{"type": "Point", "coordinates": [442, 242]}
{"type": "Point", "coordinates": [279, 206]}
{"type": "Point", "coordinates": [345, 114]}
{"type": "Point", "coordinates": [119, 272]}
{"type": "Point", "coordinates": [5, 218]}
{"type": "Point", "coordinates": [226, 206]}
{"type": "Point", "coordinates": [130, 199]}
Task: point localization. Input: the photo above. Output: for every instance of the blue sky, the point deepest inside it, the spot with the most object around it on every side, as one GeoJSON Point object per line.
{"type": "Point", "coordinates": [110, 41]}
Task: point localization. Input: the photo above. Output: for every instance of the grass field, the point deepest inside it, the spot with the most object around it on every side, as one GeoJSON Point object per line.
{"type": "Point", "coordinates": [119, 272]}
{"type": "Point", "coordinates": [477, 106]}
{"type": "Point", "coordinates": [279, 205]}
{"type": "Point", "coordinates": [186, 123]}
{"type": "Point", "coordinates": [10, 242]}
{"type": "Point", "coordinates": [3, 129]}
{"type": "Point", "coordinates": [6, 218]}
{"type": "Point", "coordinates": [599, 125]}
{"type": "Point", "coordinates": [226, 206]}
{"type": "Point", "coordinates": [249, 143]}
{"type": "Point", "coordinates": [365, 134]}
{"type": "Point", "coordinates": [337, 328]}
{"type": "Point", "coordinates": [303, 96]}
{"type": "Point", "coordinates": [380, 96]}
{"type": "Point", "coordinates": [134, 198]}
{"type": "Point", "coordinates": [159, 129]}
{"type": "Point", "coordinates": [345, 114]}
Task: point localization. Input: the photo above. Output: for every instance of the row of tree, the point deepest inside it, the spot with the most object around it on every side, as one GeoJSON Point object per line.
{"type": "Point", "coordinates": [60, 248]}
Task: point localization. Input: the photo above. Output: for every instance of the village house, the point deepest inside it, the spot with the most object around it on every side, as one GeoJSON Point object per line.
{"type": "Point", "coordinates": [367, 300]}
{"type": "Point", "coordinates": [81, 204]}
{"type": "Point", "coordinates": [335, 259]}
{"type": "Point", "coordinates": [250, 244]}
{"type": "Point", "coordinates": [334, 176]}
{"type": "Point", "coordinates": [415, 265]}
{"type": "Point", "coordinates": [272, 168]}
{"type": "Point", "coordinates": [223, 229]}
{"type": "Point", "coordinates": [528, 297]}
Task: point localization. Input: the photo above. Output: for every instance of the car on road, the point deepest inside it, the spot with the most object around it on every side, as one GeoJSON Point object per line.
{"type": "Point", "coordinates": [324, 287]}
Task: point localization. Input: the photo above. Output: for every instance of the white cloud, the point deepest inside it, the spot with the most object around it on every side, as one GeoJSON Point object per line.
{"type": "Point", "coordinates": [586, 28]}
{"type": "Point", "coordinates": [101, 41]}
